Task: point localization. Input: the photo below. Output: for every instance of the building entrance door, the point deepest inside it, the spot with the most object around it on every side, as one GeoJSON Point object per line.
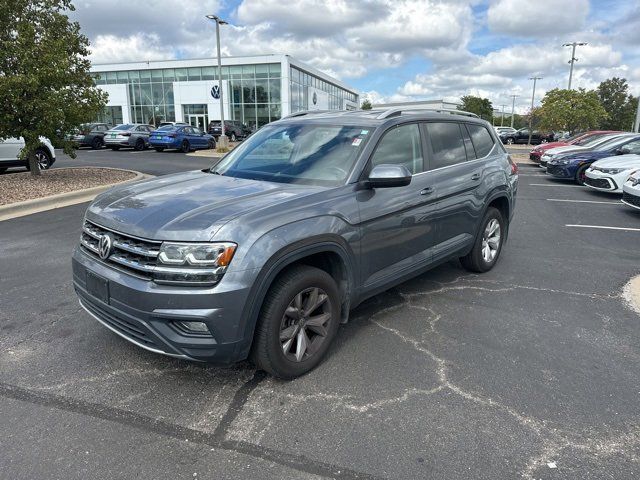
{"type": "Point", "coordinates": [198, 121]}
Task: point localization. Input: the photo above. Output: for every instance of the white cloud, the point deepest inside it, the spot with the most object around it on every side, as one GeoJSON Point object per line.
{"type": "Point", "coordinates": [537, 18]}
{"type": "Point", "coordinates": [138, 47]}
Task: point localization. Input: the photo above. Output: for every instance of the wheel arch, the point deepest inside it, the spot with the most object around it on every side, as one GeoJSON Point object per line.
{"type": "Point", "coordinates": [329, 253]}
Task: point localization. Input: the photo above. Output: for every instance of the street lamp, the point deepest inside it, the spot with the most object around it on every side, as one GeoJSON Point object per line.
{"type": "Point", "coordinates": [533, 96]}
{"type": "Point", "coordinates": [222, 140]}
{"type": "Point", "coordinates": [573, 57]}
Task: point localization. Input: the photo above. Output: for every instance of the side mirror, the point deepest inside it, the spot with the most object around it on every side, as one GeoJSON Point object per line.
{"type": "Point", "coordinates": [387, 175]}
{"type": "Point", "coordinates": [623, 151]}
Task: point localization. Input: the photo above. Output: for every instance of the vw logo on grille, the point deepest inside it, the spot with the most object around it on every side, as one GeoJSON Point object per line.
{"type": "Point", "coordinates": [104, 246]}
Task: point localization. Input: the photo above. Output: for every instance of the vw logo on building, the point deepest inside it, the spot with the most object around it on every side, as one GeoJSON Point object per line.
{"type": "Point", "coordinates": [215, 92]}
{"type": "Point", "coordinates": [104, 246]}
{"type": "Point", "coordinates": [315, 98]}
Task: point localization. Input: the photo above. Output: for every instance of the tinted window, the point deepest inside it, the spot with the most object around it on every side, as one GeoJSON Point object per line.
{"type": "Point", "coordinates": [187, 130]}
{"type": "Point", "coordinates": [481, 138]}
{"type": "Point", "coordinates": [632, 147]}
{"type": "Point", "coordinates": [125, 126]}
{"type": "Point", "coordinates": [400, 146]}
{"type": "Point", "coordinates": [446, 144]}
{"type": "Point", "coordinates": [468, 145]}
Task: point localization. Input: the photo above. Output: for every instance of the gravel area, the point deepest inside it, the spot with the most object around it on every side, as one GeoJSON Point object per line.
{"type": "Point", "coordinates": [19, 187]}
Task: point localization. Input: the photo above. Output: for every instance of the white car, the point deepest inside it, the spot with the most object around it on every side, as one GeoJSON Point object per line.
{"type": "Point", "coordinates": [500, 130]}
{"type": "Point", "coordinates": [631, 190]}
{"type": "Point", "coordinates": [567, 149]}
{"type": "Point", "coordinates": [610, 173]}
{"type": "Point", "coordinates": [10, 148]}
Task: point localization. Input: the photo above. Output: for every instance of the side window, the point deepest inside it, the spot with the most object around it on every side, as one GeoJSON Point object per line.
{"type": "Point", "coordinates": [446, 144]}
{"type": "Point", "coordinates": [633, 147]}
{"type": "Point", "coordinates": [400, 146]}
{"type": "Point", "coordinates": [141, 129]}
{"type": "Point", "coordinates": [468, 144]}
{"type": "Point", "coordinates": [187, 130]}
{"type": "Point", "coordinates": [481, 138]}
{"type": "Point", "coordinates": [196, 131]}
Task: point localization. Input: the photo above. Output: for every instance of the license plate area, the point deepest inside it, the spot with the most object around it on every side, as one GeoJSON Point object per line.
{"type": "Point", "coordinates": [98, 287]}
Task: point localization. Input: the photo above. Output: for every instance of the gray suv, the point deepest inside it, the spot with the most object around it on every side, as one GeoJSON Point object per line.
{"type": "Point", "coordinates": [263, 255]}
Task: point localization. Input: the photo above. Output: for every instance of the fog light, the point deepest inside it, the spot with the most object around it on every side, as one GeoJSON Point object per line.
{"type": "Point", "coordinates": [193, 327]}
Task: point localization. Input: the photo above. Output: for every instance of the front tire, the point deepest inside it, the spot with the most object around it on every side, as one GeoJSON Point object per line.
{"type": "Point", "coordinates": [43, 158]}
{"type": "Point", "coordinates": [581, 175]}
{"type": "Point", "coordinates": [488, 245]}
{"type": "Point", "coordinates": [96, 143]}
{"type": "Point", "coordinates": [233, 137]}
{"type": "Point", "coordinates": [139, 146]}
{"type": "Point", "coordinates": [298, 321]}
{"type": "Point", "coordinates": [509, 141]}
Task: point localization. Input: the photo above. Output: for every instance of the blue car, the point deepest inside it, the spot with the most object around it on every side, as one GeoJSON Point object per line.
{"type": "Point", "coordinates": [573, 165]}
{"type": "Point", "coordinates": [180, 137]}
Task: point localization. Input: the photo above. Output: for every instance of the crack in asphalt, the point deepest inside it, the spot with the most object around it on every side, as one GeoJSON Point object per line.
{"type": "Point", "coordinates": [214, 440]}
{"type": "Point", "coordinates": [554, 441]}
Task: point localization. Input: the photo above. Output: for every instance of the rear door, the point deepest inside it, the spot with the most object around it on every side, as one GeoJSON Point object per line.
{"type": "Point", "coordinates": [457, 153]}
{"type": "Point", "coordinates": [10, 149]}
{"type": "Point", "coordinates": [397, 229]}
{"type": "Point", "coordinates": [198, 138]}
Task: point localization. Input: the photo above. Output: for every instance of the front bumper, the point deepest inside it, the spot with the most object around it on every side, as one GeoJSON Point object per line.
{"type": "Point", "coordinates": [144, 313]}
{"type": "Point", "coordinates": [535, 156]}
{"type": "Point", "coordinates": [601, 181]}
{"type": "Point", "coordinates": [631, 195]}
{"type": "Point", "coordinates": [561, 171]}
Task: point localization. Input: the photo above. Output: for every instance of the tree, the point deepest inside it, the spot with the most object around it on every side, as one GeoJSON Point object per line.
{"type": "Point", "coordinates": [366, 104]}
{"type": "Point", "coordinates": [619, 105]}
{"type": "Point", "coordinates": [478, 105]}
{"type": "Point", "coordinates": [45, 85]}
{"type": "Point", "coordinates": [572, 110]}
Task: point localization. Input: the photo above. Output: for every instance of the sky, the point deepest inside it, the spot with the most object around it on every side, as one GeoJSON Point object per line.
{"type": "Point", "coordinates": [390, 50]}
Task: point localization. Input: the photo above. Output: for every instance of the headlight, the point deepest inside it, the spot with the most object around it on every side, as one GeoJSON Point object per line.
{"type": "Point", "coordinates": [612, 171]}
{"type": "Point", "coordinates": [193, 263]}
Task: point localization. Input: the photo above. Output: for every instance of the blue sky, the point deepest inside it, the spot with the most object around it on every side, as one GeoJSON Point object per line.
{"type": "Point", "coordinates": [390, 50]}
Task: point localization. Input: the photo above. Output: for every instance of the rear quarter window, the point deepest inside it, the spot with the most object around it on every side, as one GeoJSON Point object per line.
{"type": "Point", "coordinates": [481, 138]}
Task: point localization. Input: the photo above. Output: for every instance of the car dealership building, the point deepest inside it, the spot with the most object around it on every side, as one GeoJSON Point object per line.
{"type": "Point", "coordinates": [255, 90]}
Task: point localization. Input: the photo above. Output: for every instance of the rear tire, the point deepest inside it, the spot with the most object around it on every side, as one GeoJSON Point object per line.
{"type": "Point", "coordinates": [488, 245]}
{"type": "Point", "coordinates": [185, 147]}
{"type": "Point", "coordinates": [233, 137]}
{"type": "Point", "coordinates": [292, 336]}
{"type": "Point", "coordinates": [96, 143]}
{"type": "Point", "coordinates": [159, 149]}
{"type": "Point", "coordinates": [139, 146]}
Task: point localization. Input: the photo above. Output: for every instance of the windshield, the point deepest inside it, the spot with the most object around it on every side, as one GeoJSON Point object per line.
{"type": "Point", "coordinates": [613, 143]}
{"type": "Point", "coordinates": [297, 153]}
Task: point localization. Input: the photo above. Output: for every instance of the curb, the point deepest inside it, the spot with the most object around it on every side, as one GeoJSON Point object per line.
{"type": "Point", "coordinates": [42, 204]}
{"type": "Point", "coordinates": [631, 293]}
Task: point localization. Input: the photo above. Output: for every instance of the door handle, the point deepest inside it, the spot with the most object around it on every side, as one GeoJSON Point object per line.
{"type": "Point", "coordinates": [475, 176]}
{"type": "Point", "coordinates": [426, 191]}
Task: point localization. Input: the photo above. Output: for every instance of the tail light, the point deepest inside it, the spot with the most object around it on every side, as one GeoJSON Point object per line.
{"type": "Point", "coordinates": [126, 134]}
{"type": "Point", "coordinates": [514, 166]}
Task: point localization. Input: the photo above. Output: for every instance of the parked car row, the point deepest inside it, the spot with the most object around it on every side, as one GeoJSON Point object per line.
{"type": "Point", "coordinates": [604, 161]}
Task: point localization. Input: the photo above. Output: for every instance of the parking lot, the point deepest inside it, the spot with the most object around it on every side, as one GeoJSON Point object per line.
{"type": "Point", "coordinates": [528, 371]}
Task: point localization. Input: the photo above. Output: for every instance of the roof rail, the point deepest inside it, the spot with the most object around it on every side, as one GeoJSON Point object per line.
{"type": "Point", "coordinates": [398, 110]}
{"type": "Point", "coordinates": [306, 112]}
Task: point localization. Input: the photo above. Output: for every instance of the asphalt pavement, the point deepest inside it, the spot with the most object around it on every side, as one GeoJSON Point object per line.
{"type": "Point", "coordinates": [528, 371]}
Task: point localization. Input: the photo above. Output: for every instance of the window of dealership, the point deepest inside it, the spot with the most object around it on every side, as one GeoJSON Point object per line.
{"type": "Point", "coordinates": [255, 90]}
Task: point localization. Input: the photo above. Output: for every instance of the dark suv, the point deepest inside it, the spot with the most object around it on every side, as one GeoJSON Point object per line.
{"type": "Point", "coordinates": [233, 130]}
{"type": "Point", "coordinates": [522, 136]}
{"type": "Point", "coordinates": [266, 253]}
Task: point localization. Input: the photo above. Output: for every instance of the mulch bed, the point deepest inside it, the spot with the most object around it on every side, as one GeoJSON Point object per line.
{"type": "Point", "coordinates": [18, 187]}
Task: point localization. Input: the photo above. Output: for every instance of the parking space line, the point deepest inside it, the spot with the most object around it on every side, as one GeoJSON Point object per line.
{"type": "Point", "coordinates": [602, 227]}
{"type": "Point", "coordinates": [582, 201]}
{"type": "Point", "coordinates": [554, 185]}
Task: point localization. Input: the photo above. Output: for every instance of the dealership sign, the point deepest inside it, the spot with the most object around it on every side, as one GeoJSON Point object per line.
{"type": "Point", "coordinates": [215, 92]}
{"type": "Point", "coordinates": [317, 99]}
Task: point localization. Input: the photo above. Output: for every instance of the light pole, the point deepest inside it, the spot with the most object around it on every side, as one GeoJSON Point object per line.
{"type": "Point", "coordinates": [222, 140]}
{"type": "Point", "coordinates": [533, 96]}
{"type": "Point", "coordinates": [513, 105]}
{"type": "Point", "coordinates": [636, 125]}
{"type": "Point", "coordinates": [502, 117]}
{"type": "Point", "coordinates": [573, 46]}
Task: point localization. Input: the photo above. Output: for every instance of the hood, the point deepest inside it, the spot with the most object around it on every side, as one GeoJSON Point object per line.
{"type": "Point", "coordinates": [619, 161]}
{"type": "Point", "coordinates": [187, 206]}
{"type": "Point", "coordinates": [564, 149]}
{"type": "Point", "coordinates": [588, 156]}
{"type": "Point", "coordinates": [543, 147]}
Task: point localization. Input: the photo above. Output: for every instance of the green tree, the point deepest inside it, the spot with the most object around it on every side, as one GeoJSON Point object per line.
{"type": "Point", "coordinates": [619, 105]}
{"type": "Point", "coordinates": [478, 105]}
{"type": "Point", "coordinates": [45, 85]}
{"type": "Point", "coordinates": [366, 104]}
{"type": "Point", "coordinates": [572, 110]}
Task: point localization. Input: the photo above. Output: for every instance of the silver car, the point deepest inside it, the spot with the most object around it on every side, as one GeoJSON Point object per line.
{"type": "Point", "coordinates": [131, 135]}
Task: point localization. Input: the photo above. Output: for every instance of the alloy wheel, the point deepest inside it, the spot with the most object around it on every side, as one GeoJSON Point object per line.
{"type": "Point", "coordinates": [42, 160]}
{"type": "Point", "coordinates": [305, 324]}
{"type": "Point", "coordinates": [491, 240]}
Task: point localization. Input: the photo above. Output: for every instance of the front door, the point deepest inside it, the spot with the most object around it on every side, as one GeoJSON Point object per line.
{"type": "Point", "coordinates": [397, 230]}
{"type": "Point", "coordinates": [198, 120]}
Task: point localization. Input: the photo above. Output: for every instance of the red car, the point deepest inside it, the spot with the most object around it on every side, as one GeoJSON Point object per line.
{"type": "Point", "coordinates": [577, 139]}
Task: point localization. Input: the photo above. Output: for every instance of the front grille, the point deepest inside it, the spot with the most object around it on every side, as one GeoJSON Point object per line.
{"type": "Point", "coordinates": [130, 254]}
{"type": "Point", "coordinates": [631, 199]}
{"type": "Point", "coordinates": [554, 170]}
{"type": "Point", "coordinates": [129, 329]}
{"type": "Point", "coordinates": [543, 163]}
{"type": "Point", "coordinates": [598, 183]}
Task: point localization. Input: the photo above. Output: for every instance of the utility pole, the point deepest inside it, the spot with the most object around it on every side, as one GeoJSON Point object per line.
{"type": "Point", "coordinates": [533, 96]}
{"type": "Point", "coordinates": [513, 105]}
{"type": "Point", "coordinates": [573, 46]}
{"type": "Point", "coordinates": [502, 117]}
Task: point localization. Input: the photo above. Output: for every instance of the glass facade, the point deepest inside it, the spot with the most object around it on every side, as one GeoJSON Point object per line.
{"type": "Point", "coordinates": [255, 96]}
{"type": "Point", "coordinates": [254, 91]}
{"type": "Point", "coordinates": [299, 83]}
